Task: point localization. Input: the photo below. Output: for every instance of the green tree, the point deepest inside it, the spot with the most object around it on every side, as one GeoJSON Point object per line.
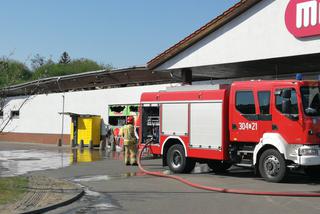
{"type": "Point", "coordinates": [65, 58]}
{"type": "Point", "coordinates": [73, 67]}
{"type": "Point", "coordinates": [13, 72]}
{"type": "Point", "coordinates": [37, 61]}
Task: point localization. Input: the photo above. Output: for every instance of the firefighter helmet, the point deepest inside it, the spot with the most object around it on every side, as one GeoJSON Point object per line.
{"type": "Point", "coordinates": [130, 120]}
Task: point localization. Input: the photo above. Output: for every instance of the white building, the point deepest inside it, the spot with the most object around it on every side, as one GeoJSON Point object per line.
{"type": "Point", "coordinates": [253, 39]}
{"type": "Point", "coordinates": [35, 116]}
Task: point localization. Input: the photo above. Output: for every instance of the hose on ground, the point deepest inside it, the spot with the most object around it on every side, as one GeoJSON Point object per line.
{"type": "Point", "coordinates": [219, 189]}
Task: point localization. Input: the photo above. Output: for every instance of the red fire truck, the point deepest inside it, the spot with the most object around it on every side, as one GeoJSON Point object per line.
{"type": "Point", "coordinates": [271, 126]}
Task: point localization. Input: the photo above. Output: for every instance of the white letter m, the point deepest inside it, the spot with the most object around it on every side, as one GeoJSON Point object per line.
{"type": "Point", "coordinates": [307, 13]}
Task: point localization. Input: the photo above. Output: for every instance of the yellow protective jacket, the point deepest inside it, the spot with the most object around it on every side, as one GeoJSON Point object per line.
{"type": "Point", "coordinates": [127, 132]}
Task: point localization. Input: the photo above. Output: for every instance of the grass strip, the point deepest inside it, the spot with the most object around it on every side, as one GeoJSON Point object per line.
{"type": "Point", "coordinates": [12, 189]}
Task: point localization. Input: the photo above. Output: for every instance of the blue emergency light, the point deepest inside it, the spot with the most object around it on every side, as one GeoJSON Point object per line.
{"type": "Point", "coordinates": [298, 76]}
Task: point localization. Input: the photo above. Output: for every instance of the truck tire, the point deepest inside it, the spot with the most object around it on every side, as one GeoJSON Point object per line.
{"type": "Point", "coordinates": [272, 166]}
{"type": "Point", "coordinates": [177, 160]}
{"type": "Point", "coordinates": [218, 166]}
{"type": "Point", "coordinates": [313, 171]}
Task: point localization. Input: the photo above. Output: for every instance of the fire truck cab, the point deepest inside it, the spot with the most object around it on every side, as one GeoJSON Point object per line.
{"type": "Point", "coordinates": [270, 126]}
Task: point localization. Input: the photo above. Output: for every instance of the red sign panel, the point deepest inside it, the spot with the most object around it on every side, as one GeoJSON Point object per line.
{"type": "Point", "coordinates": [303, 18]}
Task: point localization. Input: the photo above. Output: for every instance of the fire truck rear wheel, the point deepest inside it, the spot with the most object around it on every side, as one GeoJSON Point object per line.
{"type": "Point", "coordinates": [218, 166]}
{"type": "Point", "coordinates": [272, 166]}
{"type": "Point", "coordinates": [177, 160]}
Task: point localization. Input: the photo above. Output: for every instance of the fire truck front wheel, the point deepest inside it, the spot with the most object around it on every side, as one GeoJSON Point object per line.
{"type": "Point", "coordinates": [177, 160]}
{"type": "Point", "coordinates": [272, 166]}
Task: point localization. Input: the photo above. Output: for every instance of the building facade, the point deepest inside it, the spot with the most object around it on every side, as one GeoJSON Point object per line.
{"type": "Point", "coordinates": [38, 118]}
{"type": "Point", "coordinates": [254, 39]}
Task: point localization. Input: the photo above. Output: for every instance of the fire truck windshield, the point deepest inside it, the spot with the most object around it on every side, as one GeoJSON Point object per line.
{"type": "Point", "coordinates": [311, 100]}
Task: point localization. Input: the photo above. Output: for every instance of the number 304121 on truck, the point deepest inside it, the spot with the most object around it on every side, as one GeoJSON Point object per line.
{"type": "Point", "coordinates": [271, 126]}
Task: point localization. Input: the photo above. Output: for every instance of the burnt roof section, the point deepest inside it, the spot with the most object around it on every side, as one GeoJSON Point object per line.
{"type": "Point", "coordinates": [132, 76]}
{"type": "Point", "coordinates": [199, 34]}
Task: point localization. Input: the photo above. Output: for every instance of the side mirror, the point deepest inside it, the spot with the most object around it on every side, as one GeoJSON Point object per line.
{"type": "Point", "coordinates": [286, 93]}
{"type": "Point", "coordinates": [286, 104]}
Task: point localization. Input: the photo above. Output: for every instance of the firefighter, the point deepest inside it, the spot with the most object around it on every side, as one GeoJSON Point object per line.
{"type": "Point", "coordinates": [129, 138]}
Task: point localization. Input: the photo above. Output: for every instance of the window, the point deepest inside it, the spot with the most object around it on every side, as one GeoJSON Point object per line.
{"type": "Point", "coordinates": [292, 101]}
{"type": "Point", "coordinates": [1, 113]}
{"type": "Point", "coordinates": [15, 114]}
{"type": "Point", "coordinates": [264, 102]}
{"type": "Point", "coordinates": [245, 102]}
{"type": "Point", "coordinates": [117, 121]}
{"type": "Point", "coordinates": [117, 109]}
{"type": "Point", "coordinates": [311, 100]}
{"type": "Point", "coordinates": [134, 108]}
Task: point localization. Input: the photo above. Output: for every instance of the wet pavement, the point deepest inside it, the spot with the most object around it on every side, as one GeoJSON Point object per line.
{"type": "Point", "coordinates": [18, 162]}
{"type": "Point", "coordinates": [91, 202]}
{"type": "Point", "coordinates": [112, 187]}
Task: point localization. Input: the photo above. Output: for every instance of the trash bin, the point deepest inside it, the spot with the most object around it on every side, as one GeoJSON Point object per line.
{"type": "Point", "coordinates": [85, 128]}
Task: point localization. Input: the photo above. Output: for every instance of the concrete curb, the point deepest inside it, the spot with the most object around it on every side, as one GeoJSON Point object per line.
{"type": "Point", "coordinates": [55, 206]}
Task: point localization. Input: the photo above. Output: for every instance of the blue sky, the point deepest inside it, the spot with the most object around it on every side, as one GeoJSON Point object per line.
{"type": "Point", "coordinates": [117, 32]}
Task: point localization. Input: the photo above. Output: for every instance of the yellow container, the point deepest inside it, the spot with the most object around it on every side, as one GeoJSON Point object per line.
{"type": "Point", "coordinates": [88, 129]}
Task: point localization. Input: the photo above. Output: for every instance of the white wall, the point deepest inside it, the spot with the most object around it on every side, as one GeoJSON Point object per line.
{"type": "Point", "coordinates": [259, 33]}
{"type": "Point", "coordinates": [40, 114]}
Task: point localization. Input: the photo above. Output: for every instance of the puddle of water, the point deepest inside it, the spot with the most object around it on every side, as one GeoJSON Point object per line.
{"type": "Point", "coordinates": [96, 178]}
{"type": "Point", "coordinates": [132, 174]}
{"type": "Point", "coordinates": [18, 162]}
{"type": "Point", "coordinates": [115, 155]}
{"type": "Point", "coordinates": [203, 168]}
{"type": "Point", "coordinates": [93, 202]}
{"type": "Point", "coordinates": [86, 155]}
{"type": "Point", "coordinates": [197, 170]}
{"type": "Point", "coordinates": [92, 193]}
{"type": "Point", "coordinates": [103, 206]}
{"type": "Point", "coordinates": [93, 178]}
{"type": "Point", "coordinates": [24, 159]}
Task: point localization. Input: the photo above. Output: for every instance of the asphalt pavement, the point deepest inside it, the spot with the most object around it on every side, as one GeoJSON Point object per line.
{"type": "Point", "coordinates": [112, 187]}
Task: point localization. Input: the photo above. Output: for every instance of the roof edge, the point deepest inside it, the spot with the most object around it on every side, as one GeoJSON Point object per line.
{"type": "Point", "coordinates": [68, 76]}
{"type": "Point", "coordinates": [202, 32]}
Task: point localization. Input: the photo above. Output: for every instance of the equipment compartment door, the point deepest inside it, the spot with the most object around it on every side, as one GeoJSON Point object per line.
{"type": "Point", "coordinates": [175, 119]}
{"type": "Point", "coordinates": [206, 125]}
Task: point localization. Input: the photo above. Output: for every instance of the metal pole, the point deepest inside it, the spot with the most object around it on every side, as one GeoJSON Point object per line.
{"type": "Point", "coordinates": [61, 141]}
{"type": "Point", "coordinates": [62, 126]}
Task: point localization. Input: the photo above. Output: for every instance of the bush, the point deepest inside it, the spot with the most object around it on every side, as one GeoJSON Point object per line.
{"type": "Point", "coordinates": [73, 67]}
{"type": "Point", "coordinates": [13, 72]}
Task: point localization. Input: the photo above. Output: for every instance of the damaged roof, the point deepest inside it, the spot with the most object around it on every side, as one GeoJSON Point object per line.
{"type": "Point", "coordinates": [89, 81]}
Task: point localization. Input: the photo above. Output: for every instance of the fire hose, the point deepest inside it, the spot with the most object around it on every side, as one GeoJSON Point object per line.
{"type": "Point", "coordinates": [219, 189]}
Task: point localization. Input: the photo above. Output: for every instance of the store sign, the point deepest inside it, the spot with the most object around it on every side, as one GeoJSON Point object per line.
{"type": "Point", "coordinates": [303, 18]}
